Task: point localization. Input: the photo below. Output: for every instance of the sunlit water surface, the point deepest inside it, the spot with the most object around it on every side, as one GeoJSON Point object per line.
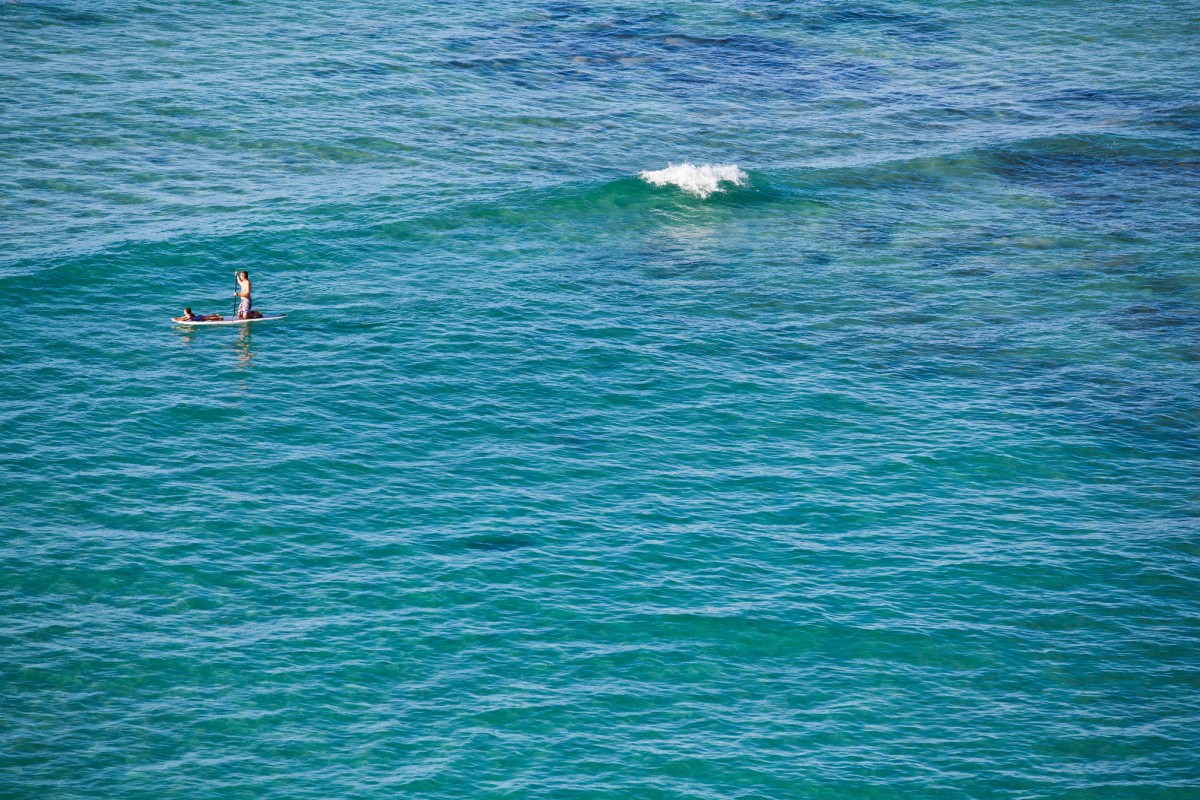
{"type": "Point", "coordinates": [679, 400]}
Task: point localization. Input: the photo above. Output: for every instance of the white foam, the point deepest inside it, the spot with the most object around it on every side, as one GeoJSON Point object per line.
{"type": "Point", "coordinates": [700, 180]}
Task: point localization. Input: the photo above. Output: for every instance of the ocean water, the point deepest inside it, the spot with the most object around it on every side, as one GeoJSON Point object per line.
{"type": "Point", "coordinates": [709, 400]}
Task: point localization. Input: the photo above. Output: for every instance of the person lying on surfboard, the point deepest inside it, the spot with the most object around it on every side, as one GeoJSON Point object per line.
{"type": "Point", "coordinates": [243, 291]}
{"type": "Point", "coordinates": [188, 316]}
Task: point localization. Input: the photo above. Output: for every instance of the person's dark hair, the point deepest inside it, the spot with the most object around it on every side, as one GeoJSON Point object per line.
{"type": "Point", "coordinates": [245, 274]}
{"type": "Point", "coordinates": [187, 310]}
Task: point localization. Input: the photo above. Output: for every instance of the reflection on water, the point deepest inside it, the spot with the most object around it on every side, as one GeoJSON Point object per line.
{"type": "Point", "coordinates": [242, 347]}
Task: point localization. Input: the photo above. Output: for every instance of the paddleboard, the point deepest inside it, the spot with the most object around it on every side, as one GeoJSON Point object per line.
{"type": "Point", "coordinates": [230, 321]}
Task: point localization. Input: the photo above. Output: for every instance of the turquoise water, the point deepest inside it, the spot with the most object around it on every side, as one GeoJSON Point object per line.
{"type": "Point", "coordinates": [868, 472]}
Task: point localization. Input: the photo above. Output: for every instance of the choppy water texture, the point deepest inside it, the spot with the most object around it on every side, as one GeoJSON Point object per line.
{"type": "Point", "coordinates": [869, 474]}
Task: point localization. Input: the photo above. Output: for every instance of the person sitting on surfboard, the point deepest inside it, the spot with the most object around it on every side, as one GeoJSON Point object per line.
{"type": "Point", "coordinates": [243, 291]}
{"type": "Point", "coordinates": [188, 316]}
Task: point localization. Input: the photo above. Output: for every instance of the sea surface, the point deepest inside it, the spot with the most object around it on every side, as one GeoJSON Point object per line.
{"type": "Point", "coordinates": [724, 400]}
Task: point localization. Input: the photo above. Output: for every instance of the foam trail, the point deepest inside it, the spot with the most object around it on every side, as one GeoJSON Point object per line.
{"type": "Point", "coordinates": [701, 181]}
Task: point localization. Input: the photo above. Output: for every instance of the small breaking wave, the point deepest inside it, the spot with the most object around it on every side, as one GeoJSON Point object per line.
{"type": "Point", "coordinates": [700, 181]}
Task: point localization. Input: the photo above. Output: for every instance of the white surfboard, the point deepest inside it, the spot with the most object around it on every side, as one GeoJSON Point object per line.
{"type": "Point", "coordinates": [230, 321]}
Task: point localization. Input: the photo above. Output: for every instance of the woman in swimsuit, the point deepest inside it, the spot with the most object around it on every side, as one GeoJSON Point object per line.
{"type": "Point", "coordinates": [188, 316]}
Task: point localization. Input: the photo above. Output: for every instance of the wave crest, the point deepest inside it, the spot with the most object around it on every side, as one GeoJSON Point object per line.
{"type": "Point", "coordinates": [700, 181]}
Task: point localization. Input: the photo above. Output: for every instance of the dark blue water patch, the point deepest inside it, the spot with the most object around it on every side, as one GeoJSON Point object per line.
{"type": "Point", "coordinates": [741, 63]}
{"type": "Point", "coordinates": [975, 106]}
{"type": "Point", "coordinates": [673, 61]}
{"type": "Point", "coordinates": [916, 28]}
{"type": "Point", "coordinates": [822, 16]}
{"type": "Point", "coordinates": [332, 68]}
{"type": "Point", "coordinates": [946, 256]}
{"type": "Point", "coordinates": [630, 19]}
{"type": "Point", "coordinates": [490, 543]}
{"type": "Point", "coordinates": [1182, 118]}
{"type": "Point", "coordinates": [661, 264]}
{"type": "Point", "coordinates": [1167, 285]}
{"type": "Point", "coordinates": [1125, 409]}
{"type": "Point", "coordinates": [925, 175]}
{"type": "Point", "coordinates": [1157, 316]}
{"type": "Point", "coordinates": [861, 76]}
{"type": "Point", "coordinates": [675, 77]}
{"type": "Point", "coordinates": [1084, 97]}
{"type": "Point", "coordinates": [483, 64]}
{"type": "Point", "coordinates": [59, 14]}
{"type": "Point", "coordinates": [962, 272]}
{"type": "Point", "coordinates": [565, 10]}
{"type": "Point", "coordinates": [867, 231]}
{"type": "Point", "coordinates": [817, 258]}
{"type": "Point", "coordinates": [935, 64]}
{"type": "Point", "coordinates": [356, 33]}
{"type": "Point", "coordinates": [1120, 263]}
{"type": "Point", "coordinates": [1105, 183]}
{"type": "Point", "coordinates": [737, 42]}
{"type": "Point", "coordinates": [736, 50]}
{"type": "Point", "coordinates": [1050, 160]}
